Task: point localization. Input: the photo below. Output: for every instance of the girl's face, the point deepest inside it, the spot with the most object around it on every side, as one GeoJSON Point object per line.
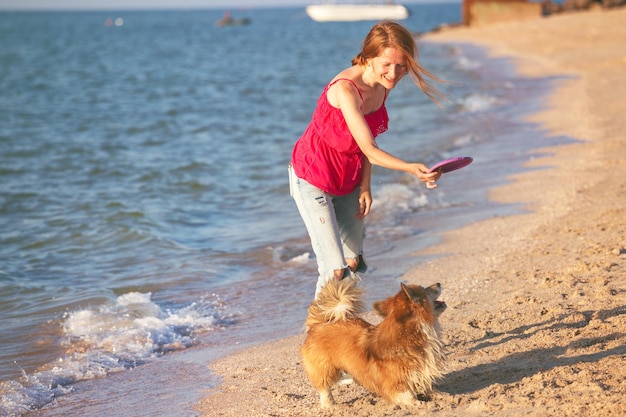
{"type": "Point", "coordinates": [389, 67]}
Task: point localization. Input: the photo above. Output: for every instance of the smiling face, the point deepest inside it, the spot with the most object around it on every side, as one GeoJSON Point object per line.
{"type": "Point", "coordinates": [393, 42]}
{"type": "Point", "coordinates": [388, 68]}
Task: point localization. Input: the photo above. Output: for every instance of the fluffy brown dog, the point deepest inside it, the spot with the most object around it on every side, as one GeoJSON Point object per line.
{"type": "Point", "coordinates": [398, 359]}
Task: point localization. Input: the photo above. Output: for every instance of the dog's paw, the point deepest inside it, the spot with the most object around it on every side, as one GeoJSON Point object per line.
{"type": "Point", "coordinates": [405, 398]}
{"type": "Point", "coordinates": [326, 399]}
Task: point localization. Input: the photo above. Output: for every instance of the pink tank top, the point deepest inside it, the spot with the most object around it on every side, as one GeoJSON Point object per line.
{"type": "Point", "coordinates": [326, 155]}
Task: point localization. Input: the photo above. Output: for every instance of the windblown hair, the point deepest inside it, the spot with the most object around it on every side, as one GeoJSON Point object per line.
{"type": "Point", "coordinates": [387, 34]}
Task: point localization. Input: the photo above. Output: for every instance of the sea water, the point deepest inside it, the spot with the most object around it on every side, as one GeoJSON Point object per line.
{"type": "Point", "coordinates": [146, 226]}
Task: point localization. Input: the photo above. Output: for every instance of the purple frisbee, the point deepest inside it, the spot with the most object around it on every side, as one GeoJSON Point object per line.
{"type": "Point", "coordinates": [452, 164]}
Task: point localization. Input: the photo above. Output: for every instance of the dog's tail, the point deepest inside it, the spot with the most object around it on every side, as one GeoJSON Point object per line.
{"type": "Point", "coordinates": [337, 301]}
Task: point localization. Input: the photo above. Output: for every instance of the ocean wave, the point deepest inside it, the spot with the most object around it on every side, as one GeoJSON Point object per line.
{"type": "Point", "coordinates": [112, 338]}
{"type": "Point", "coordinates": [476, 102]}
{"type": "Point", "coordinates": [393, 203]}
{"type": "Point", "coordinates": [467, 64]}
{"type": "Point", "coordinates": [464, 141]}
{"type": "Point", "coordinates": [394, 198]}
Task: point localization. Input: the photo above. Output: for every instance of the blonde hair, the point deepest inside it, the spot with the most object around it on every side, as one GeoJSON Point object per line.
{"type": "Point", "coordinates": [387, 34]}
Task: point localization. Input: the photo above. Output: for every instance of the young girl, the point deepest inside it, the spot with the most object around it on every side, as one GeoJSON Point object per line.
{"type": "Point", "coordinates": [331, 165]}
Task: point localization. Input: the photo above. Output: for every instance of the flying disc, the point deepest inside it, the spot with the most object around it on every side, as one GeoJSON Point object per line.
{"type": "Point", "coordinates": [452, 164]}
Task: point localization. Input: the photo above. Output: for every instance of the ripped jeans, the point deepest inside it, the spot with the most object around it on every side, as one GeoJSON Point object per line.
{"type": "Point", "coordinates": [335, 230]}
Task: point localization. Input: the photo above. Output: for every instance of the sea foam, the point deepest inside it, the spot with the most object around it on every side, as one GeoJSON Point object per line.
{"type": "Point", "coordinates": [111, 338]}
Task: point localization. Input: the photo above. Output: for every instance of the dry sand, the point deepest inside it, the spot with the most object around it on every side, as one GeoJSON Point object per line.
{"type": "Point", "coordinates": [536, 323]}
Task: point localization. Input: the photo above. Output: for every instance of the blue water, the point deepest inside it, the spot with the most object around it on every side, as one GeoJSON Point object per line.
{"type": "Point", "coordinates": [144, 206]}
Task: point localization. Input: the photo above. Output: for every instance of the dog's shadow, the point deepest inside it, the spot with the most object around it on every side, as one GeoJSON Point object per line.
{"type": "Point", "coordinates": [517, 366]}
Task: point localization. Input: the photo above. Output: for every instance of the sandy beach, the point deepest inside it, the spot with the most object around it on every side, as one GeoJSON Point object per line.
{"type": "Point", "coordinates": [536, 319]}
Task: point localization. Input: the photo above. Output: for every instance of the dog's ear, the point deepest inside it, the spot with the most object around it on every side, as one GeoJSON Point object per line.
{"type": "Point", "coordinates": [380, 307]}
{"type": "Point", "coordinates": [383, 308]}
{"type": "Point", "coordinates": [406, 291]}
{"type": "Point", "coordinates": [414, 294]}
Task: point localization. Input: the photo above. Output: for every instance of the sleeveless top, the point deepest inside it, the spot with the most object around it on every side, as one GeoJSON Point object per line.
{"type": "Point", "coordinates": [326, 155]}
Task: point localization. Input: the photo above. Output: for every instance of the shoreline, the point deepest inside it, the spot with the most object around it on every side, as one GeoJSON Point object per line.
{"type": "Point", "coordinates": [537, 318]}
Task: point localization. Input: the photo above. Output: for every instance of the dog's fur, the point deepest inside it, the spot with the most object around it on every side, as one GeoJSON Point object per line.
{"type": "Point", "coordinates": [398, 359]}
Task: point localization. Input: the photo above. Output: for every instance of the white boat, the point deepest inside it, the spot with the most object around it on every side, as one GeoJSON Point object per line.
{"type": "Point", "coordinates": [339, 12]}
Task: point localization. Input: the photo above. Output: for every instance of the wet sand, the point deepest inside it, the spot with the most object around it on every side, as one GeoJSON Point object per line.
{"type": "Point", "coordinates": [536, 319]}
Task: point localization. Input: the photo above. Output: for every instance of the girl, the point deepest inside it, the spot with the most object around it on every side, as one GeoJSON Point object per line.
{"type": "Point", "coordinates": [330, 170]}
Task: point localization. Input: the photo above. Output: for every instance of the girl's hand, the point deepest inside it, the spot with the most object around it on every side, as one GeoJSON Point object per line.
{"type": "Point", "coordinates": [422, 172]}
{"type": "Point", "coordinates": [365, 204]}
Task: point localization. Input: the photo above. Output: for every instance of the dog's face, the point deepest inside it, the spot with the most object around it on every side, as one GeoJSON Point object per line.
{"type": "Point", "coordinates": [426, 297]}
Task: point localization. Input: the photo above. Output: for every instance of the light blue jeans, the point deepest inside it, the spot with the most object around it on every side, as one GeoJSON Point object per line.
{"type": "Point", "coordinates": [335, 230]}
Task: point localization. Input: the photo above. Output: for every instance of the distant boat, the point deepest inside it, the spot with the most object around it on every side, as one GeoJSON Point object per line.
{"type": "Point", "coordinates": [350, 12]}
{"type": "Point", "coordinates": [228, 20]}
